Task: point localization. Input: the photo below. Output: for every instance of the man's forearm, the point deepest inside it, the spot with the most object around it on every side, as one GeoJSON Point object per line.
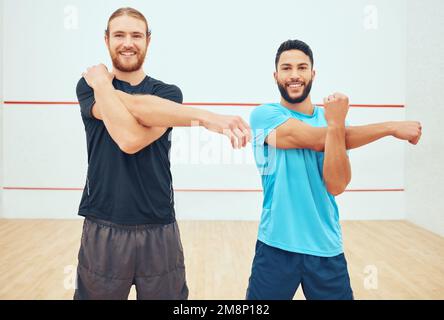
{"type": "Point", "coordinates": [151, 110]}
{"type": "Point", "coordinates": [336, 171]}
{"type": "Point", "coordinates": [122, 126]}
{"type": "Point", "coordinates": [118, 120]}
{"type": "Point", "coordinates": [357, 136]}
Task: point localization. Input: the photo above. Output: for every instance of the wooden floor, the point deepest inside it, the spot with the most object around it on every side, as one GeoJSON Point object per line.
{"type": "Point", "coordinates": [386, 259]}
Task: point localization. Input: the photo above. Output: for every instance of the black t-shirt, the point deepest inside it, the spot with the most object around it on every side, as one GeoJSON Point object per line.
{"type": "Point", "coordinates": [127, 188]}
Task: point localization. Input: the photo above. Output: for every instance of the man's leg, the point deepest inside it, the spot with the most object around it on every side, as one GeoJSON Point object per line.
{"type": "Point", "coordinates": [106, 262]}
{"type": "Point", "coordinates": [275, 274]}
{"type": "Point", "coordinates": [326, 278]}
{"type": "Point", "coordinates": [160, 267]}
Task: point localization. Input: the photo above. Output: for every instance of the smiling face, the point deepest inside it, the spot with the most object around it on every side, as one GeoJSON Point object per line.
{"type": "Point", "coordinates": [294, 76]}
{"type": "Point", "coordinates": [127, 40]}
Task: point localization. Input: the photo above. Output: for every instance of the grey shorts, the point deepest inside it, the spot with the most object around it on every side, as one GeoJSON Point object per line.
{"type": "Point", "coordinates": [113, 257]}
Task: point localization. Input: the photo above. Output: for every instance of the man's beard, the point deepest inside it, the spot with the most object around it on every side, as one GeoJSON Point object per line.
{"type": "Point", "coordinates": [117, 64]}
{"type": "Point", "coordinates": [286, 96]}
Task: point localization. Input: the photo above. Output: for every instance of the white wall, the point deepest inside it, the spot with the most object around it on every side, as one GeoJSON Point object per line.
{"type": "Point", "coordinates": [425, 96]}
{"type": "Point", "coordinates": [1, 108]}
{"type": "Point", "coordinates": [216, 51]}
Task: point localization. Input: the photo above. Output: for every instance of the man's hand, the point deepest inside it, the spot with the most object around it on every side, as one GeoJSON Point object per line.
{"type": "Point", "coordinates": [336, 108]}
{"type": "Point", "coordinates": [234, 127]}
{"type": "Point", "coordinates": [98, 75]}
{"type": "Point", "coordinates": [407, 130]}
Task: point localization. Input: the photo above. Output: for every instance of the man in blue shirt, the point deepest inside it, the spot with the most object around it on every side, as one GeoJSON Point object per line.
{"type": "Point", "coordinates": [301, 153]}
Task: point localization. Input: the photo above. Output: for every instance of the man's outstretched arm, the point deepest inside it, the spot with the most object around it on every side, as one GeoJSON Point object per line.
{"type": "Point", "coordinates": [151, 110]}
{"type": "Point", "coordinates": [133, 134]}
{"type": "Point", "coordinates": [295, 134]}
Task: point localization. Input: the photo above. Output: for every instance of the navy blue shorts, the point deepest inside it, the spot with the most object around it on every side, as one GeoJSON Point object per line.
{"type": "Point", "coordinates": [276, 275]}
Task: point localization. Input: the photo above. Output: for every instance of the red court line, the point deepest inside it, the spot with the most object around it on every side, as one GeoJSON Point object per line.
{"type": "Point", "coordinates": [373, 105]}
{"type": "Point", "coordinates": [192, 190]}
{"type": "Point", "coordinates": [41, 102]}
{"type": "Point", "coordinates": [225, 104]}
{"type": "Point", "coordinates": [218, 190]}
{"type": "Point", "coordinates": [260, 190]}
{"type": "Point", "coordinates": [42, 189]}
{"type": "Point", "coordinates": [209, 104]}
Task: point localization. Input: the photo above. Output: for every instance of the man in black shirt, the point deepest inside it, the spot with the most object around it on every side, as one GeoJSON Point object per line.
{"type": "Point", "coordinates": [130, 235]}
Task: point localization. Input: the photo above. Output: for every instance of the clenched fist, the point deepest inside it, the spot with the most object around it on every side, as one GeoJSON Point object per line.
{"type": "Point", "coordinates": [407, 130]}
{"type": "Point", "coordinates": [336, 108]}
{"type": "Point", "coordinates": [98, 75]}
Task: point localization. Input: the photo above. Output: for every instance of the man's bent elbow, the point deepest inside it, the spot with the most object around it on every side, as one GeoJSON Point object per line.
{"type": "Point", "coordinates": [128, 149]}
{"type": "Point", "coordinates": [336, 191]}
{"type": "Point", "coordinates": [130, 146]}
{"type": "Point", "coordinates": [336, 188]}
{"type": "Point", "coordinates": [319, 146]}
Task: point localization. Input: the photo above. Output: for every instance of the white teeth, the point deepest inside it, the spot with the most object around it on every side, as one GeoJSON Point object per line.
{"type": "Point", "coordinates": [127, 53]}
{"type": "Point", "coordinates": [296, 85]}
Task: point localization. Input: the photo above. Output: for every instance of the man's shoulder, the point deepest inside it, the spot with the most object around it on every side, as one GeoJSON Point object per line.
{"type": "Point", "coordinates": [82, 87]}
{"type": "Point", "coordinates": [267, 109]}
{"type": "Point", "coordinates": [267, 114]}
{"type": "Point", "coordinates": [268, 106]}
{"type": "Point", "coordinates": [159, 85]}
{"type": "Point", "coordinates": [165, 90]}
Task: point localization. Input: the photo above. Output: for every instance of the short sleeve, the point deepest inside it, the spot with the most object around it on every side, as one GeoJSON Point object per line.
{"type": "Point", "coordinates": [85, 96]}
{"type": "Point", "coordinates": [170, 92]}
{"type": "Point", "coordinates": [264, 119]}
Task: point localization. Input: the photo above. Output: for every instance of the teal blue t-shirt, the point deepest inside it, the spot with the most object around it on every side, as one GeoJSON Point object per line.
{"type": "Point", "coordinates": [298, 213]}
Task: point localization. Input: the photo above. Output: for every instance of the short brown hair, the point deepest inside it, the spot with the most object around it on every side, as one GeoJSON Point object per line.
{"type": "Point", "coordinates": [131, 12]}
